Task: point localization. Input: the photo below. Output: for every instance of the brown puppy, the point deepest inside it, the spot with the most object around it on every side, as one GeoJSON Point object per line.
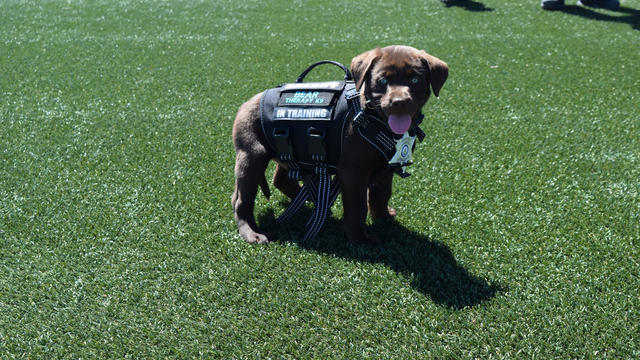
{"type": "Point", "coordinates": [393, 81]}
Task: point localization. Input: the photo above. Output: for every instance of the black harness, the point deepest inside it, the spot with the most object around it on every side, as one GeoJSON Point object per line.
{"type": "Point", "coordinates": [304, 124]}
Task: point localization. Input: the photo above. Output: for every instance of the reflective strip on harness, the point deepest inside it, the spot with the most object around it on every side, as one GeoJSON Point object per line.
{"type": "Point", "coordinates": [322, 206]}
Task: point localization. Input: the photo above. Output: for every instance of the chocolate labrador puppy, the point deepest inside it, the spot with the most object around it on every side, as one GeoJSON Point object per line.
{"type": "Point", "coordinates": [394, 83]}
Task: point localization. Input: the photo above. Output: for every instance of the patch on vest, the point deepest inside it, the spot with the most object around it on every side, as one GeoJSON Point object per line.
{"type": "Point", "coordinates": [297, 102]}
{"type": "Point", "coordinates": [308, 98]}
{"type": "Point", "coordinates": [281, 113]}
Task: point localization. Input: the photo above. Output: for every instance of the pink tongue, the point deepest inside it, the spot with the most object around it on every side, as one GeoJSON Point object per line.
{"type": "Point", "coordinates": [399, 124]}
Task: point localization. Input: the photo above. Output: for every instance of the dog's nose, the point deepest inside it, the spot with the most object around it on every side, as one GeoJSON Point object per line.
{"type": "Point", "coordinates": [399, 101]}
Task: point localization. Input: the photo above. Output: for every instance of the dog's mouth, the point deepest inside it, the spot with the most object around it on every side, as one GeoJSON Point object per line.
{"type": "Point", "coordinates": [399, 123]}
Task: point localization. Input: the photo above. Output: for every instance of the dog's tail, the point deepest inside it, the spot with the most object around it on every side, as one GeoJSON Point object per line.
{"type": "Point", "coordinates": [265, 187]}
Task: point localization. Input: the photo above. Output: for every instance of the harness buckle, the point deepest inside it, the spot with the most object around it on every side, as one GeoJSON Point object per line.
{"type": "Point", "coordinates": [350, 91]}
{"type": "Point", "coordinates": [282, 143]}
{"type": "Point", "coordinates": [317, 149]}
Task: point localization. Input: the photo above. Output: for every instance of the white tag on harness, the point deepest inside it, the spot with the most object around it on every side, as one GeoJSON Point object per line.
{"type": "Point", "coordinates": [404, 153]}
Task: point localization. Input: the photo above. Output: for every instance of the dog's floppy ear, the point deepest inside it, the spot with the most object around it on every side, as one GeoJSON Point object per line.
{"type": "Point", "coordinates": [438, 71]}
{"type": "Point", "coordinates": [361, 64]}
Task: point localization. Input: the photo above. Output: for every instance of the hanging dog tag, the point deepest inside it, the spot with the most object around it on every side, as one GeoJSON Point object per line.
{"type": "Point", "coordinates": [403, 155]}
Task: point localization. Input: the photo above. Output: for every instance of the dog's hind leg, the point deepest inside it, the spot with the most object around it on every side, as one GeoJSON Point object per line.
{"type": "Point", "coordinates": [284, 183]}
{"type": "Point", "coordinates": [249, 173]}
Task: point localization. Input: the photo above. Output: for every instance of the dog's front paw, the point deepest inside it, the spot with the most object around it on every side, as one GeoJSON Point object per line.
{"type": "Point", "coordinates": [384, 213]}
{"type": "Point", "coordinates": [253, 237]}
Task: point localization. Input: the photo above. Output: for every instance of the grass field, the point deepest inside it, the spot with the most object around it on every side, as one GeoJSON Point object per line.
{"type": "Point", "coordinates": [518, 234]}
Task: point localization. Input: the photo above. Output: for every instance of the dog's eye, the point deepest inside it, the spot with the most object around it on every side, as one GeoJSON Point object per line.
{"type": "Point", "coordinates": [415, 80]}
{"type": "Point", "coordinates": [382, 81]}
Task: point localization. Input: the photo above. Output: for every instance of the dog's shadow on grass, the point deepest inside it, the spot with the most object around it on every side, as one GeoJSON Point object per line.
{"type": "Point", "coordinates": [429, 264]}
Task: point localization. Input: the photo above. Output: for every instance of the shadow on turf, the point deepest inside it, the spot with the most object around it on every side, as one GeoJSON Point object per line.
{"type": "Point", "coordinates": [632, 16]}
{"type": "Point", "coordinates": [468, 5]}
{"type": "Point", "coordinates": [430, 264]}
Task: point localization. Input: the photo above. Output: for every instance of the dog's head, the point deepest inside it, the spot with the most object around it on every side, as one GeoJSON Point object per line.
{"type": "Point", "coordinates": [396, 81]}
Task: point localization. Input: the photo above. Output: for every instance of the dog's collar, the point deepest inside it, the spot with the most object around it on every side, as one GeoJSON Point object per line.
{"type": "Point", "coordinates": [397, 151]}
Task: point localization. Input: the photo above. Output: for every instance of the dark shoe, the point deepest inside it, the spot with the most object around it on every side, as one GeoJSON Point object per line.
{"type": "Point", "coordinates": [552, 4]}
{"type": "Point", "coordinates": [604, 4]}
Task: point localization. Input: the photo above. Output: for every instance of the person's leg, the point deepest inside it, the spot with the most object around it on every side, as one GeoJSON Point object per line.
{"type": "Point", "coordinates": [552, 4]}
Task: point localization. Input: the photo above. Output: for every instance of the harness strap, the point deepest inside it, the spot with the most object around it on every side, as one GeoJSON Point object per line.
{"type": "Point", "coordinates": [353, 98]}
{"type": "Point", "coordinates": [295, 205]}
{"type": "Point", "coordinates": [322, 205]}
{"type": "Point", "coordinates": [419, 132]}
{"type": "Point", "coordinates": [372, 131]}
{"type": "Point", "coordinates": [310, 182]}
{"type": "Point", "coordinates": [309, 191]}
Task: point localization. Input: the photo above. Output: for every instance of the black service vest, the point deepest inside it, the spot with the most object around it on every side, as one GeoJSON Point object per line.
{"type": "Point", "coordinates": [305, 122]}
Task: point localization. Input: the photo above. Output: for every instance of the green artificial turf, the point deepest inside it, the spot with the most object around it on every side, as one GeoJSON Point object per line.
{"type": "Point", "coordinates": [518, 234]}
